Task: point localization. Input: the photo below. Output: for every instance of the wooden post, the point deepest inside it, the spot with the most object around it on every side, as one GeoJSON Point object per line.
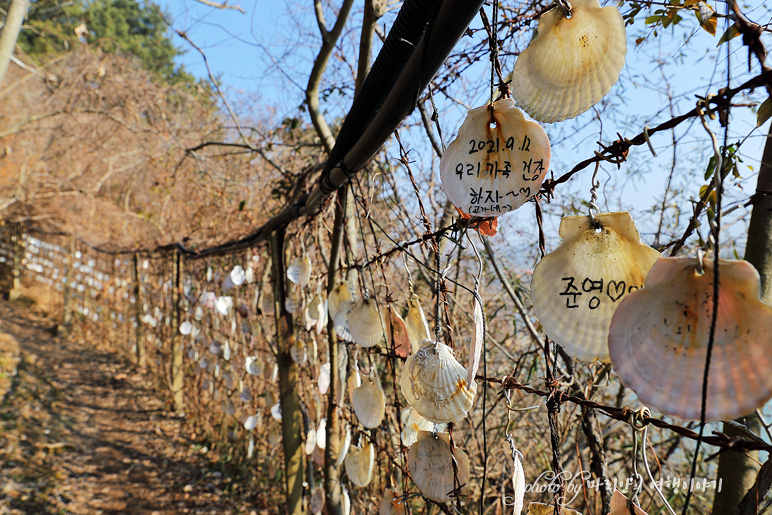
{"type": "Point", "coordinates": [141, 352]}
{"type": "Point", "coordinates": [177, 372]}
{"type": "Point", "coordinates": [288, 377]}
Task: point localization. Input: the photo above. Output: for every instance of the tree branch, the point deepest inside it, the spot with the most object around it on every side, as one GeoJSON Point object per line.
{"type": "Point", "coordinates": [223, 5]}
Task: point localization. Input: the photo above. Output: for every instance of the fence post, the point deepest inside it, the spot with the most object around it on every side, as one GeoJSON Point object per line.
{"type": "Point", "coordinates": [137, 292]}
{"type": "Point", "coordinates": [177, 372]}
{"type": "Point", "coordinates": [64, 327]}
{"type": "Point", "coordinates": [18, 252]}
{"type": "Point", "coordinates": [288, 377]}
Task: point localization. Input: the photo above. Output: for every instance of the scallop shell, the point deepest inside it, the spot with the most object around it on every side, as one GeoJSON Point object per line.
{"type": "Point", "coordinates": [344, 447]}
{"type": "Point", "coordinates": [396, 332]}
{"type": "Point", "coordinates": [619, 505]}
{"type": "Point", "coordinates": [359, 464]}
{"type": "Point", "coordinates": [537, 508]}
{"type": "Point", "coordinates": [434, 384]}
{"type": "Point", "coordinates": [518, 485]}
{"type": "Point", "coordinates": [338, 296]}
{"type": "Point", "coordinates": [431, 466]}
{"type": "Point", "coordinates": [321, 434]}
{"type": "Point", "coordinates": [659, 335]}
{"type": "Point", "coordinates": [412, 423]}
{"type": "Point", "coordinates": [369, 402]}
{"type": "Point", "coordinates": [310, 443]}
{"type": "Point", "coordinates": [323, 380]}
{"type": "Point", "coordinates": [299, 271]}
{"type": "Point", "coordinates": [417, 328]}
{"type": "Point", "coordinates": [392, 503]}
{"type": "Point", "coordinates": [497, 162]}
{"type": "Point", "coordinates": [364, 323]}
{"type": "Point", "coordinates": [354, 380]}
{"type": "Point", "coordinates": [577, 287]}
{"type": "Point", "coordinates": [317, 500]}
{"type": "Point", "coordinates": [298, 352]}
{"type": "Point", "coordinates": [340, 320]}
{"type": "Point", "coordinates": [572, 62]}
{"type": "Point", "coordinates": [253, 365]}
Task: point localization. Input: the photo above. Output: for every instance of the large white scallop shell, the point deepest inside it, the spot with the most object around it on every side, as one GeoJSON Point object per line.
{"type": "Point", "coordinates": [577, 287]}
{"type": "Point", "coordinates": [369, 402]}
{"type": "Point", "coordinates": [659, 335]}
{"type": "Point", "coordinates": [572, 62]}
{"type": "Point", "coordinates": [431, 466]}
{"type": "Point", "coordinates": [299, 271]}
{"type": "Point", "coordinates": [417, 328]}
{"type": "Point", "coordinates": [364, 323]}
{"type": "Point", "coordinates": [434, 384]}
{"type": "Point", "coordinates": [497, 162]}
{"type": "Point", "coordinates": [359, 464]}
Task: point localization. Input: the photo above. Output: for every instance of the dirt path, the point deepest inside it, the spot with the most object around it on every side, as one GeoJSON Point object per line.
{"type": "Point", "coordinates": [81, 434]}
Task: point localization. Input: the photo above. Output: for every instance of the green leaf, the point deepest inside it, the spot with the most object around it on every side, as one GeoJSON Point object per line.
{"type": "Point", "coordinates": [710, 169]}
{"type": "Point", "coordinates": [651, 20]}
{"type": "Point", "coordinates": [731, 33]}
{"type": "Point", "coordinates": [764, 112]}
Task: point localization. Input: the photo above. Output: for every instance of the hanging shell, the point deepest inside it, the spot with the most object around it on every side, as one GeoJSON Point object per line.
{"type": "Point", "coordinates": [338, 296]}
{"type": "Point", "coordinates": [396, 332]}
{"type": "Point", "coordinates": [317, 500]}
{"type": "Point", "coordinates": [299, 352]}
{"type": "Point", "coordinates": [434, 384]}
{"type": "Point", "coordinates": [392, 503]}
{"type": "Point", "coordinates": [417, 328]}
{"type": "Point", "coordinates": [431, 465]}
{"type": "Point", "coordinates": [369, 402]}
{"type": "Point", "coordinates": [619, 505]}
{"type": "Point", "coordinates": [359, 464]}
{"type": "Point", "coordinates": [299, 271]}
{"type": "Point", "coordinates": [344, 447]}
{"type": "Point", "coordinates": [323, 381]}
{"type": "Point", "coordinates": [537, 508]}
{"type": "Point", "coordinates": [497, 162]}
{"type": "Point", "coordinates": [572, 62]}
{"type": "Point", "coordinates": [476, 343]}
{"type": "Point", "coordinates": [659, 336]}
{"type": "Point", "coordinates": [340, 320]}
{"type": "Point", "coordinates": [412, 423]}
{"type": "Point", "coordinates": [577, 287]}
{"type": "Point", "coordinates": [518, 486]}
{"type": "Point", "coordinates": [364, 323]}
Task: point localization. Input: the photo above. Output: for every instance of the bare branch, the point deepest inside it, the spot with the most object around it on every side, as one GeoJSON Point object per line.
{"type": "Point", "coordinates": [223, 5]}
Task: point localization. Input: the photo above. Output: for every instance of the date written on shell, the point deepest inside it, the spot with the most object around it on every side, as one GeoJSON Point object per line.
{"type": "Point", "coordinates": [594, 291]}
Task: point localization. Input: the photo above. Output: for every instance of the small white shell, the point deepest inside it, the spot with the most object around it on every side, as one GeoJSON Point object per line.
{"type": "Point", "coordinates": [317, 500]}
{"type": "Point", "coordinates": [310, 443]}
{"type": "Point", "coordinates": [323, 381]}
{"type": "Point", "coordinates": [298, 352]}
{"type": "Point", "coordinates": [431, 466]}
{"type": "Point", "coordinates": [434, 384]}
{"type": "Point", "coordinates": [659, 335]}
{"type": "Point", "coordinates": [369, 402]}
{"type": "Point", "coordinates": [224, 305]}
{"type": "Point", "coordinates": [253, 365]}
{"type": "Point", "coordinates": [417, 328]}
{"type": "Point", "coordinates": [518, 486]}
{"type": "Point", "coordinates": [344, 447]}
{"type": "Point", "coordinates": [497, 162]}
{"type": "Point", "coordinates": [390, 506]}
{"type": "Point", "coordinates": [186, 328]}
{"type": "Point", "coordinates": [364, 323]}
{"type": "Point", "coordinates": [237, 275]}
{"type": "Point", "coordinates": [412, 423]}
{"type": "Point", "coordinates": [299, 271]}
{"type": "Point", "coordinates": [577, 287]}
{"type": "Point", "coordinates": [572, 63]}
{"type": "Point", "coordinates": [321, 434]}
{"type": "Point", "coordinates": [359, 464]}
{"type": "Point", "coordinates": [250, 423]}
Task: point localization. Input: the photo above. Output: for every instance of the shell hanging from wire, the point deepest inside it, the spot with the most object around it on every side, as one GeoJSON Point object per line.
{"type": "Point", "coordinates": [338, 296]}
{"type": "Point", "coordinates": [412, 423]}
{"type": "Point", "coordinates": [572, 63]}
{"type": "Point", "coordinates": [299, 352]}
{"type": "Point", "coordinates": [364, 323]}
{"type": "Point", "coordinates": [417, 328]}
{"type": "Point", "coordinates": [359, 464]}
{"type": "Point", "coordinates": [434, 384]}
{"type": "Point", "coordinates": [497, 162]}
{"type": "Point", "coordinates": [392, 503]}
{"type": "Point", "coordinates": [659, 336]}
{"type": "Point", "coordinates": [396, 332]}
{"type": "Point", "coordinates": [299, 271]}
{"type": "Point", "coordinates": [369, 402]}
{"type": "Point", "coordinates": [619, 505]}
{"type": "Point", "coordinates": [430, 462]}
{"type": "Point", "coordinates": [537, 508]}
{"type": "Point", "coordinates": [577, 287]}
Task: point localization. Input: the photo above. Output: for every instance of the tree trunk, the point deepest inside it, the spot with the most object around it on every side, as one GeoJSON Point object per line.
{"type": "Point", "coordinates": [288, 378]}
{"type": "Point", "coordinates": [739, 470]}
{"type": "Point", "coordinates": [10, 33]}
{"type": "Point", "coordinates": [177, 351]}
